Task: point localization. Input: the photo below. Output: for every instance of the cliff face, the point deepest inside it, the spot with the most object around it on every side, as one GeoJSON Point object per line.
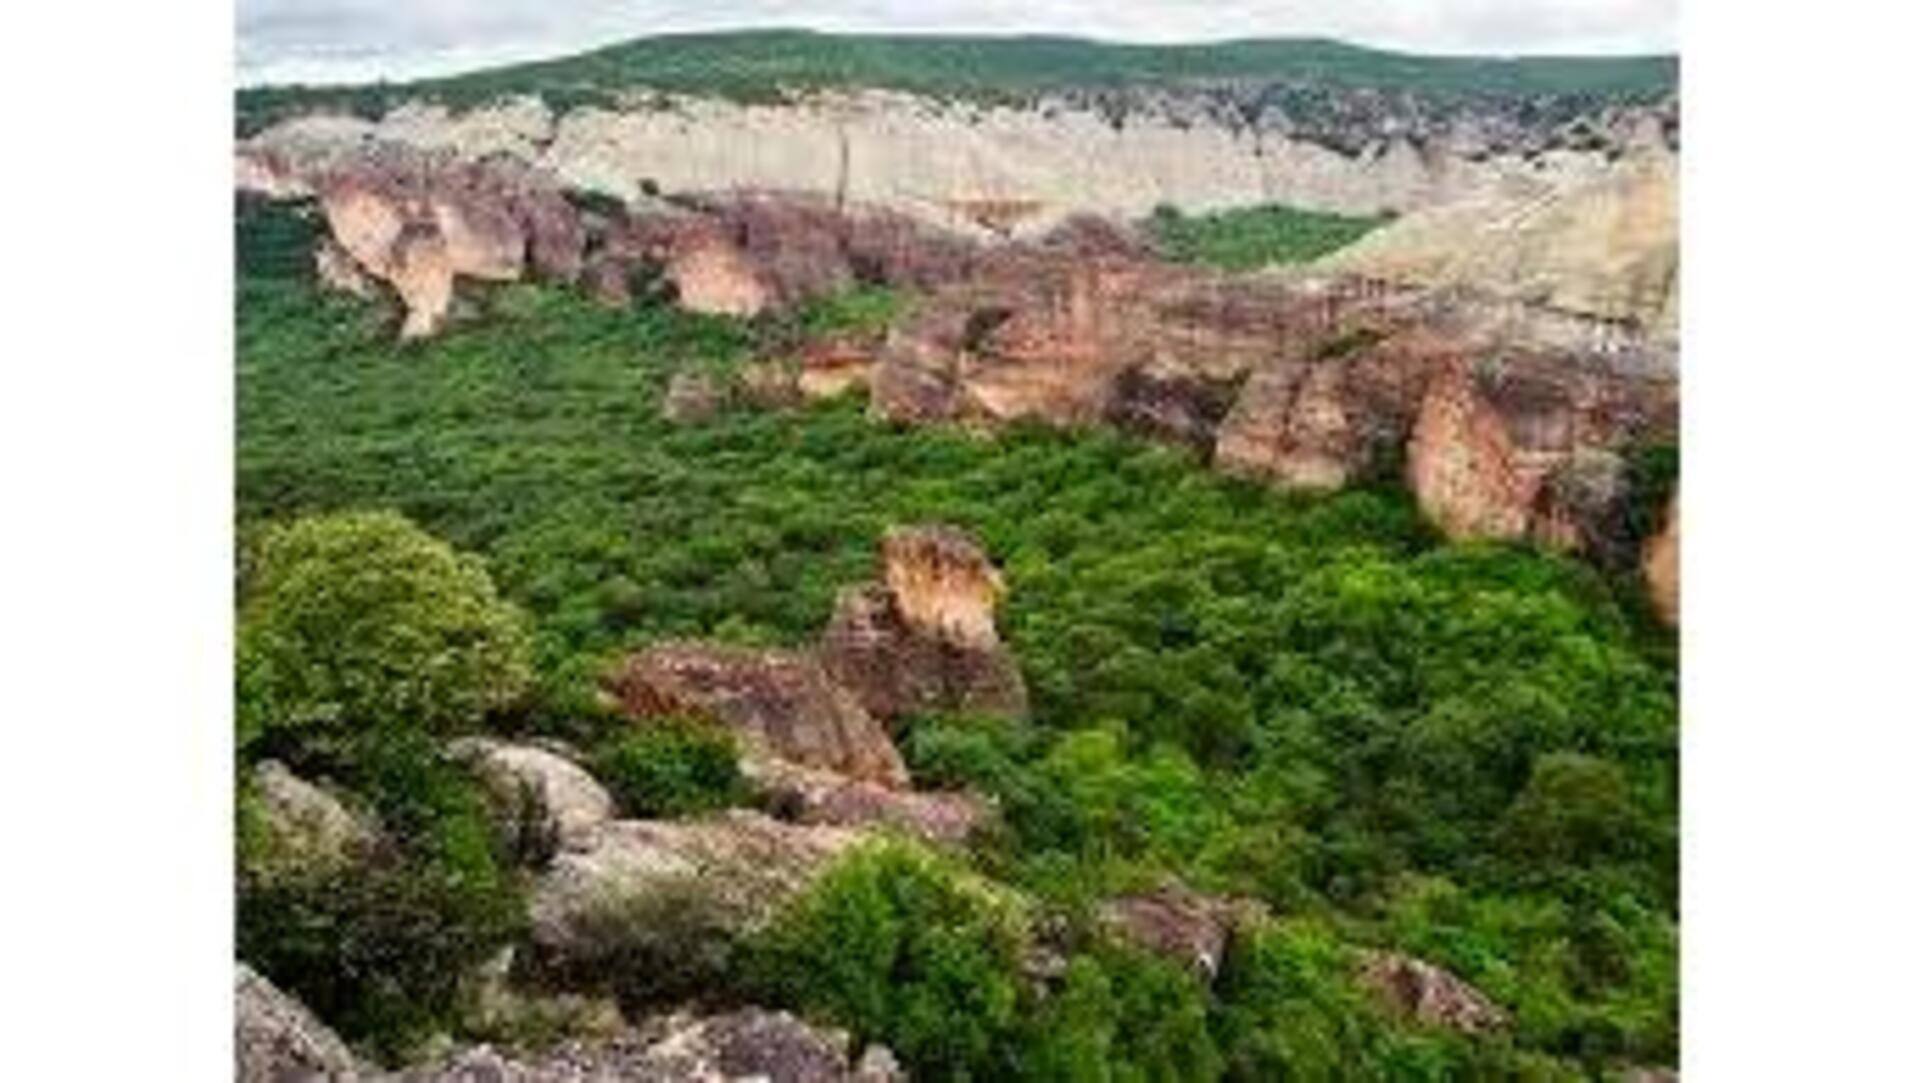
{"type": "Point", "coordinates": [1016, 170]}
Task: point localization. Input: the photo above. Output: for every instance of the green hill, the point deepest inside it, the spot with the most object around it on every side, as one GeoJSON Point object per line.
{"type": "Point", "coordinates": [760, 64]}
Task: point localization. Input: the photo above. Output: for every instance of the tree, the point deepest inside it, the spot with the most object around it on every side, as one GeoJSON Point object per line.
{"type": "Point", "coordinates": [362, 619]}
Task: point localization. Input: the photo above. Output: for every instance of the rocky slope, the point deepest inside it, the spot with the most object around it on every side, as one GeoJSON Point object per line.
{"type": "Point", "coordinates": [1002, 169]}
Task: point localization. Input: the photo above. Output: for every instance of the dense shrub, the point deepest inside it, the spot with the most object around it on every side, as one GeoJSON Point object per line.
{"type": "Point", "coordinates": [362, 619]}
{"type": "Point", "coordinates": [901, 948]}
{"type": "Point", "coordinates": [1307, 699]}
{"type": "Point", "coordinates": [670, 767]}
{"type": "Point", "coordinates": [380, 948]}
{"type": "Point", "coordinates": [1248, 237]}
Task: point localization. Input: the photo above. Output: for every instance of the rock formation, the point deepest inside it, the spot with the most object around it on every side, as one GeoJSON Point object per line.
{"type": "Point", "coordinates": [809, 796]}
{"type": "Point", "coordinates": [781, 704]}
{"type": "Point", "coordinates": [1428, 994]}
{"type": "Point", "coordinates": [276, 1039]}
{"type": "Point", "coordinates": [747, 1045]}
{"type": "Point", "coordinates": [419, 221]}
{"type": "Point", "coordinates": [1178, 923]}
{"type": "Point", "coordinates": [739, 866]}
{"type": "Point", "coordinates": [1022, 168]}
{"type": "Point", "coordinates": [571, 802]}
{"type": "Point", "coordinates": [1661, 565]}
{"type": "Point", "coordinates": [306, 828]}
{"type": "Point", "coordinates": [1607, 245]}
{"type": "Point", "coordinates": [923, 639]}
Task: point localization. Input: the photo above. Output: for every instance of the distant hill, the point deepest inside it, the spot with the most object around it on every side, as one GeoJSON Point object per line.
{"type": "Point", "coordinates": [762, 64]}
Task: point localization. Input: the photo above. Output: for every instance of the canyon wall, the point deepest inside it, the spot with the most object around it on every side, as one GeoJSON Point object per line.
{"type": "Point", "coordinates": [1007, 170]}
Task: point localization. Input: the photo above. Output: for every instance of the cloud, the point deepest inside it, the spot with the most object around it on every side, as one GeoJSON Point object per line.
{"type": "Point", "coordinates": [353, 40]}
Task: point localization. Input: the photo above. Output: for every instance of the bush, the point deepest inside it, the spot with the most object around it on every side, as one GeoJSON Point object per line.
{"type": "Point", "coordinates": [658, 948]}
{"type": "Point", "coordinates": [362, 619]}
{"type": "Point", "coordinates": [380, 949]}
{"type": "Point", "coordinates": [901, 947]}
{"type": "Point", "coordinates": [671, 767]}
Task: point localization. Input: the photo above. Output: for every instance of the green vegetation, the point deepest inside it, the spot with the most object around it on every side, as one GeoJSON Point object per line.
{"type": "Point", "coordinates": [358, 620]}
{"type": "Point", "coordinates": [759, 65]}
{"type": "Point", "coordinates": [1246, 238]}
{"type": "Point", "coordinates": [1466, 752]}
{"type": "Point", "coordinates": [670, 767]}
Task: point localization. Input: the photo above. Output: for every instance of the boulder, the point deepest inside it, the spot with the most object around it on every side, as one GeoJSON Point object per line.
{"type": "Point", "coordinates": [923, 638]}
{"type": "Point", "coordinates": [1426, 993]}
{"type": "Point", "coordinates": [691, 397]}
{"type": "Point", "coordinates": [307, 829]}
{"type": "Point", "coordinates": [1179, 924]}
{"type": "Point", "coordinates": [737, 866]}
{"type": "Point", "coordinates": [710, 274]}
{"type": "Point", "coordinates": [810, 796]}
{"type": "Point", "coordinates": [277, 1040]}
{"type": "Point", "coordinates": [780, 703]}
{"type": "Point", "coordinates": [1660, 564]}
{"type": "Point", "coordinates": [747, 1045]}
{"type": "Point", "coordinates": [570, 802]}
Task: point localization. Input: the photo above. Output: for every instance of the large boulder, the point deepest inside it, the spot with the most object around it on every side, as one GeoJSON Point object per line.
{"type": "Point", "coordinates": [568, 799]}
{"type": "Point", "coordinates": [305, 828]}
{"type": "Point", "coordinates": [738, 867]}
{"type": "Point", "coordinates": [1518, 444]}
{"type": "Point", "coordinates": [780, 703]}
{"type": "Point", "coordinates": [923, 638]}
{"type": "Point", "coordinates": [1177, 923]}
{"type": "Point", "coordinates": [809, 796]}
{"type": "Point", "coordinates": [277, 1040]}
{"type": "Point", "coordinates": [1428, 994]}
{"type": "Point", "coordinates": [747, 1045]}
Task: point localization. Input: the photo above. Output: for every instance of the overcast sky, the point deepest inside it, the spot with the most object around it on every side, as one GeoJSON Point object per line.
{"type": "Point", "coordinates": [354, 40]}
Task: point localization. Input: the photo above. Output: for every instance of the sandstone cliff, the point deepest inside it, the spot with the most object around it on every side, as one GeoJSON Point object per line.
{"type": "Point", "coordinates": [1015, 169]}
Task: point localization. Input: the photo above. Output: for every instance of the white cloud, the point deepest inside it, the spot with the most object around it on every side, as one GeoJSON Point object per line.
{"type": "Point", "coordinates": [351, 40]}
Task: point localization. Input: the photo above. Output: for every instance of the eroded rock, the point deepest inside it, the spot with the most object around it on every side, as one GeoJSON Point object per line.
{"type": "Point", "coordinates": [748, 1045]}
{"type": "Point", "coordinates": [812, 796]}
{"type": "Point", "coordinates": [1428, 994]}
{"type": "Point", "coordinates": [570, 801]}
{"type": "Point", "coordinates": [1661, 565]}
{"type": "Point", "coordinates": [780, 703]}
{"type": "Point", "coordinates": [277, 1040]}
{"type": "Point", "coordinates": [737, 866]}
{"type": "Point", "coordinates": [307, 829]}
{"type": "Point", "coordinates": [923, 639]}
{"type": "Point", "coordinates": [1179, 924]}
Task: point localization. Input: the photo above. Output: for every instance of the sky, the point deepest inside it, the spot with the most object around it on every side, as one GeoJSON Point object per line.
{"type": "Point", "coordinates": [326, 41]}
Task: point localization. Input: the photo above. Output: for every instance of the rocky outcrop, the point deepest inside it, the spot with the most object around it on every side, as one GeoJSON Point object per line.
{"type": "Point", "coordinates": [1426, 993]}
{"type": "Point", "coordinates": [923, 639]}
{"type": "Point", "coordinates": [1607, 245]}
{"type": "Point", "coordinates": [737, 867]}
{"type": "Point", "coordinates": [781, 704]}
{"type": "Point", "coordinates": [277, 1040]}
{"type": "Point", "coordinates": [420, 221]}
{"type": "Point", "coordinates": [1178, 923]}
{"type": "Point", "coordinates": [1660, 565]}
{"type": "Point", "coordinates": [1516, 444]}
{"type": "Point", "coordinates": [1019, 169]}
{"type": "Point", "coordinates": [748, 1045]}
{"type": "Point", "coordinates": [810, 796]}
{"type": "Point", "coordinates": [691, 397]}
{"type": "Point", "coordinates": [306, 828]}
{"type": "Point", "coordinates": [570, 802]}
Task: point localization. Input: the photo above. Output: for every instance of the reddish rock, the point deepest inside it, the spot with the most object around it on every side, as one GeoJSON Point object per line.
{"type": "Point", "coordinates": [1661, 566]}
{"type": "Point", "coordinates": [780, 703]}
{"type": "Point", "coordinates": [1428, 994]}
{"type": "Point", "coordinates": [810, 796]}
{"type": "Point", "coordinates": [1179, 924]}
{"type": "Point", "coordinates": [923, 639]}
